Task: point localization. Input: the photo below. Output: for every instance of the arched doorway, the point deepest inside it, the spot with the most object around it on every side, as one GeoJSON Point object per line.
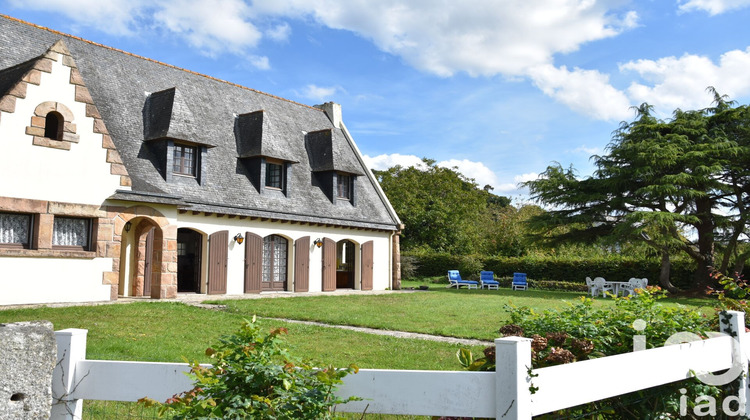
{"type": "Point", "coordinates": [275, 263]}
{"type": "Point", "coordinates": [345, 264]}
{"type": "Point", "coordinates": [140, 258]}
{"type": "Point", "coordinates": [189, 253]}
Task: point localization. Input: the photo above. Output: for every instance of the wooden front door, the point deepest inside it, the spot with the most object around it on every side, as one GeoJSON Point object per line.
{"type": "Point", "coordinates": [148, 260]}
{"type": "Point", "coordinates": [367, 261]}
{"type": "Point", "coordinates": [217, 260]}
{"type": "Point", "coordinates": [302, 264]}
{"type": "Point", "coordinates": [329, 265]}
{"type": "Point", "coordinates": [253, 262]}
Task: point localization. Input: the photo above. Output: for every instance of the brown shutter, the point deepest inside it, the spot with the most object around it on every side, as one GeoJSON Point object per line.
{"type": "Point", "coordinates": [329, 265]}
{"type": "Point", "coordinates": [148, 262]}
{"type": "Point", "coordinates": [367, 265]}
{"type": "Point", "coordinates": [302, 264]}
{"type": "Point", "coordinates": [253, 262]}
{"type": "Point", "coordinates": [217, 262]}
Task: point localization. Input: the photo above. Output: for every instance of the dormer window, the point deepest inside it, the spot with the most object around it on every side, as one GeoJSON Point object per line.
{"type": "Point", "coordinates": [274, 174]}
{"type": "Point", "coordinates": [53, 125]}
{"type": "Point", "coordinates": [184, 160]}
{"type": "Point", "coordinates": [343, 186]}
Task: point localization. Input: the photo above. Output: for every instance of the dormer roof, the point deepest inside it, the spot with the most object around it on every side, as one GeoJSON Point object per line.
{"type": "Point", "coordinates": [257, 137]}
{"type": "Point", "coordinates": [167, 115]}
{"type": "Point", "coordinates": [327, 152]}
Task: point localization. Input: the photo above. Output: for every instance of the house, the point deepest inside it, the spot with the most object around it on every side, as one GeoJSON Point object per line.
{"type": "Point", "coordinates": [124, 176]}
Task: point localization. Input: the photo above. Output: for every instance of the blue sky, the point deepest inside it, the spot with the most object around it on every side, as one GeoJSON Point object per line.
{"type": "Point", "coordinates": [498, 88]}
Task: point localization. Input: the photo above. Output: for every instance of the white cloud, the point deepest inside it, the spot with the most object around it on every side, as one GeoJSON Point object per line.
{"type": "Point", "coordinates": [681, 82]}
{"type": "Point", "coordinates": [481, 174]}
{"type": "Point", "coordinates": [531, 176]}
{"type": "Point", "coordinates": [383, 162]}
{"type": "Point", "coordinates": [481, 37]}
{"type": "Point", "coordinates": [116, 16]}
{"type": "Point", "coordinates": [585, 91]}
{"type": "Point", "coordinates": [514, 187]}
{"type": "Point", "coordinates": [319, 93]}
{"type": "Point", "coordinates": [260, 62]}
{"type": "Point", "coordinates": [478, 37]}
{"type": "Point", "coordinates": [713, 7]}
{"type": "Point", "coordinates": [280, 32]}
{"type": "Point", "coordinates": [211, 26]}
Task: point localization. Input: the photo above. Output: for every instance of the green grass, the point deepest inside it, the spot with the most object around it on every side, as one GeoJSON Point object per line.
{"type": "Point", "coordinates": [440, 311]}
{"type": "Point", "coordinates": [167, 332]}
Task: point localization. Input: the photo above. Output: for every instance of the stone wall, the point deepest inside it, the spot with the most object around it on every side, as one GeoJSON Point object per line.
{"type": "Point", "coordinates": [28, 354]}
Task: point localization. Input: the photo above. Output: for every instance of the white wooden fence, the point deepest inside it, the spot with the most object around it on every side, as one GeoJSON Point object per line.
{"type": "Point", "coordinates": [502, 394]}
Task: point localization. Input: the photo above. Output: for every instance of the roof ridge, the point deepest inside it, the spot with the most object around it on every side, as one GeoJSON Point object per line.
{"type": "Point", "coordinates": [151, 60]}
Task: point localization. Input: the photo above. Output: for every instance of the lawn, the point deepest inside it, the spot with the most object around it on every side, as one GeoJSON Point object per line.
{"type": "Point", "coordinates": [167, 332]}
{"type": "Point", "coordinates": [439, 311]}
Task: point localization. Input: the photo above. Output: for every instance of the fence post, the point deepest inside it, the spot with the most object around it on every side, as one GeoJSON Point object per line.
{"type": "Point", "coordinates": [71, 348]}
{"type": "Point", "coordinates": [512, 380]}
{"type": "Point", "coordinates": [733, 323]}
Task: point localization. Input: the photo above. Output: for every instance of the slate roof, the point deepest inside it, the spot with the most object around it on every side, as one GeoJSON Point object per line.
{"type": "Point", "coordinates": [141, 100]}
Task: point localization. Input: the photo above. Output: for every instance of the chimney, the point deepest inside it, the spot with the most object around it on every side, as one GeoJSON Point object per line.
{"type": "Point", "coordinates": [333, 111]}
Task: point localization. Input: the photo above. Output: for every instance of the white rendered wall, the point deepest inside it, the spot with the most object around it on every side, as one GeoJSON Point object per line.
{"type": "Point", "coordinates": [208, 225]}
{"type": "Point", "coordinates": [80, 175]}
{"type": "Point", "coordinates": [49, 280]}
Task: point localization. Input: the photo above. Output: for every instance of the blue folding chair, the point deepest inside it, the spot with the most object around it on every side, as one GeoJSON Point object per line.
{"type": "Point", "coordinates": [454, 278]}
{"type": "Point", "coordinates": [519, 282]}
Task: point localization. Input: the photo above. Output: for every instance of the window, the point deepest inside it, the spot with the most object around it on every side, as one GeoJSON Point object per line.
{"type": "Point", "coordinates": [344, 187]}
{"type": "Point", "coordinates": [274, 175]}
{"type": "Point", "coordinates": [274, 258]}
{"type": "Point", "coordinates": [73, 233]}
{"type": "Point", "coordinates": [15, 230]}
{"type": "Point", "coordinates": [53, 125]}
{"type": "Point", "coordinates": [184, 160]}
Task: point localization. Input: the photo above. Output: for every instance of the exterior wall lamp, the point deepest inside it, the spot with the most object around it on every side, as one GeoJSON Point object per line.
{"type": "Point", "coordinates": [238, 237]}
{"type": "Point", "coordinates": [318, 243]}
{"type": "Point", "coordinates": [128, 225]}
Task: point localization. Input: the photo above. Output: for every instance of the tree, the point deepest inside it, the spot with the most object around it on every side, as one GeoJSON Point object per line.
{"type": "Point", "coordinates": [679, 186]}
{"type": "Point", "coordinates": [441, 209]}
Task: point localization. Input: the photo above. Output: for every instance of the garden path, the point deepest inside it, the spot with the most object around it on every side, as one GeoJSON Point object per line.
{"type": "Point", "coordinates": [399, 334]}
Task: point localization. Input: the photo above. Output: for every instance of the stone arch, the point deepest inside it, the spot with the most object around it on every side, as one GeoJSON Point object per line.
{"type": "Point", "coordinates": [163, 268]}
{"type": "Point", "coordinates": [64, 129]}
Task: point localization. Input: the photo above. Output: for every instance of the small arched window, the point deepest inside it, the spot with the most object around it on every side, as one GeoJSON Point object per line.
{"type": "Point", "coordinates": [53, 125]}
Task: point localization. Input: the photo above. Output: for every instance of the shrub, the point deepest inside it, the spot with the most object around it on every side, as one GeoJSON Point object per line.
{"type": "Point", "coordinates": [552, 268]}
{"type": "Point", "coordinates": [581, 332]}
{"type": "Point", "coordinates": [409, 265]}
{"type": "Point", "coordinates": [253, 376]}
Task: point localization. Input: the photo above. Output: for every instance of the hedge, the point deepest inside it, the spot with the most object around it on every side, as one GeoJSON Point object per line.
{"type": "Point", "coordinates": [573, 270]}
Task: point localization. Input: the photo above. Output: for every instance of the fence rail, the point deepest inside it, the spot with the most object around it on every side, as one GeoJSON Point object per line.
{"type": "Point", "coordinates": [504, 393]}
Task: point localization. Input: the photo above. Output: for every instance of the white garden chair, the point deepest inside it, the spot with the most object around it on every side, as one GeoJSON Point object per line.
{"type": "Point", "coordinates": [601, 286]}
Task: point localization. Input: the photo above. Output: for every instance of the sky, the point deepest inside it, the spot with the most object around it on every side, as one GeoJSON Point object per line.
{"type": "Point", "coordinates": [499, 89]}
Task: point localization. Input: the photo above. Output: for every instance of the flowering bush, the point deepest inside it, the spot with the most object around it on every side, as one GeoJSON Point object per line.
{"type": "Point", "coordinates": [254, 377]}
{"type": "Point", "coordinates": [734, 293]}
{"type": "Point", "coordinates": [581, 332]}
